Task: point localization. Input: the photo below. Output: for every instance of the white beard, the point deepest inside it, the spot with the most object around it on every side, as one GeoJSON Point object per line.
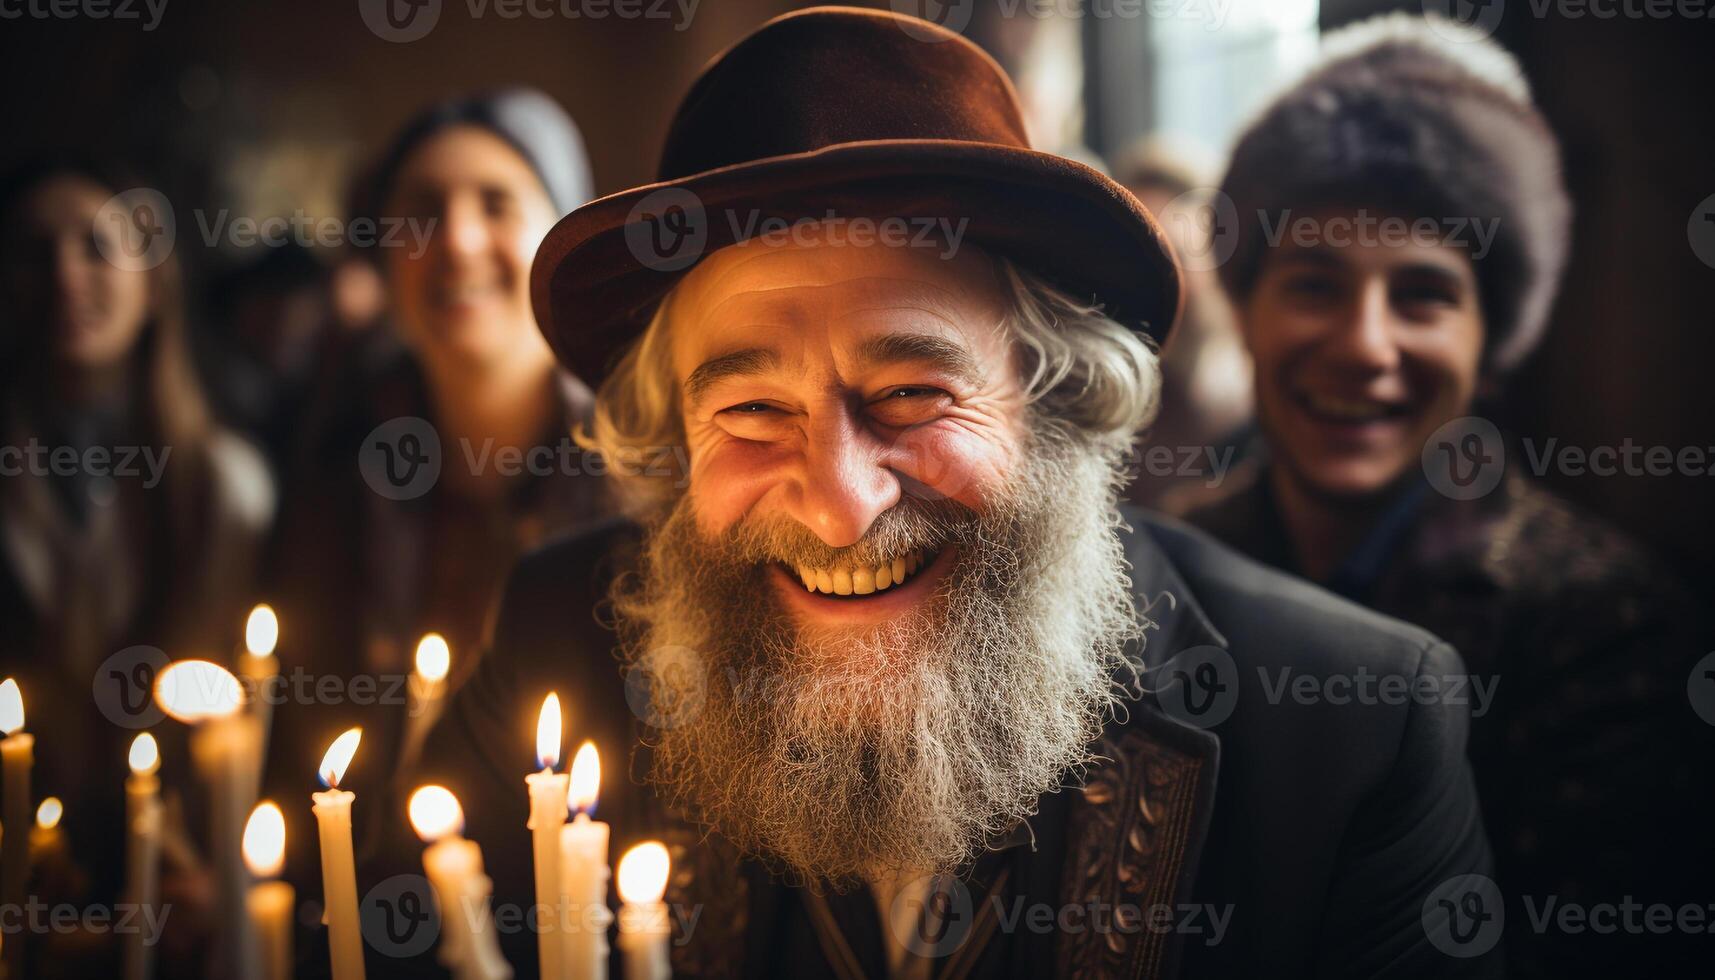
{"type": "Point", "coordinates": [904, 748]}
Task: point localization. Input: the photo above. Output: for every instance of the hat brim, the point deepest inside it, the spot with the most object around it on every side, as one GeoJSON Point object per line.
{"type": "Point", "coordinates": [599, 275]}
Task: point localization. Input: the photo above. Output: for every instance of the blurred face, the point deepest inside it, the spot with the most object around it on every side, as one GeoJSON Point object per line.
{"type": "Point", "coordinates": [912, 584]}
{"type": "Point", "coordinates": [466, 297]}
{"type": "Point", "coordinates": [1362, 351]}
{"type": "Point", "coordinates": [824, 384]}
{"type": "Point", "coordinates": [89, 310]}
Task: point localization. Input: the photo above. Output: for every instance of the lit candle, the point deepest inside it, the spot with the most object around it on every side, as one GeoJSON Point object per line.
{"type": "Point", "coordinates": [142, 849]}
{"type": "Point", "coordinates": [643, 926]}
{"type": "Point", "coordinates": [424, 696]}
{"type": "Point", "coordinates": [454, 869]}
{"type": "Point", "coordinates": [547, 816]}
{"type": "Point", "coordinates": [17, 754]}
{"type": "Point", "coordinates": [583, 873]}
{"type": "Point", "coordinates": [46, 841]}
{"type": "Point", "coordinates": [260, 667]}
{"type": "Point", "coordinates": [339, 867]}
{"type": "Point", "coordinates": [270, 901]}
{"type": "Point", "coordinates": [226, 747]}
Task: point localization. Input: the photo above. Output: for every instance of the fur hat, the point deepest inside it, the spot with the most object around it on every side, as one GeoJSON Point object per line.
{"type": "Point", "coordinates": [1416, 120]}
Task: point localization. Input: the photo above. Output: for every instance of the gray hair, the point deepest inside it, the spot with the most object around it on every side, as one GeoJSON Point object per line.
{"type": "Point", "coordinates": [1084, 374]}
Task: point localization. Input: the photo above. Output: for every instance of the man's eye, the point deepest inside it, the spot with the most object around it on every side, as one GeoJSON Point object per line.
{"type": "Point", "coordinates": [1424, 296]}
{"type": "Point", "coordinates": [750, 408]}
{"type": "Point", "coordinates": [903, 394]}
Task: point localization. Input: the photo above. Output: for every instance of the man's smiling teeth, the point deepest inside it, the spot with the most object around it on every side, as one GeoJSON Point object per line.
{"type": "Point", "coordinates": [1348, 409]}
{"type": "Point", "coordinates": [851, 580]}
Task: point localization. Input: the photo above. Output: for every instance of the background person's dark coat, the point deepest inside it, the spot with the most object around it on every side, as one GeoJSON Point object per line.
{"type": "Point", "coordinates": [1592, 767]}
{"type": "Point", "coordinates": [1320, 830]}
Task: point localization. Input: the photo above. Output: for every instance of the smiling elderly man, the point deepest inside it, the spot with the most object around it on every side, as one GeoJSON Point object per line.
{"type": "Point", "coordinates": [902, 689]}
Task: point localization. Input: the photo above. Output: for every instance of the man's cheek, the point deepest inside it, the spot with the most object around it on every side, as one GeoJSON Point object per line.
{"type": "Point", "coordinates": [950, 461]}
{"type": "Point", "coordinates": [727, 481]}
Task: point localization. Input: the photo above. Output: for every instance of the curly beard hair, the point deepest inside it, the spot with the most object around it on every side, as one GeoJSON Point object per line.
{"type": "Point", "coordinates": [840, 754]}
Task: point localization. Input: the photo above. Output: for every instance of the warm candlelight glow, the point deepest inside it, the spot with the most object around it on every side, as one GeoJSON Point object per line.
{"type": "Point", "coordinates": [338, 757]}
{"type": "Point", "coordinates": [261, 631]}
{"type": "Point", "coordinates": [49, 813]}
{"type": "Point", "coordinates": [548, 732]}
{"type": "Point", "coordinates": [434, 657]}
{"type": "Point", "coordinates": [195, 690]}
{"type": "Point", "coordinates": [585, 785]}
{"type": "Point", "coordinates": [643, 874]}
{"type": "Point", "coordinates": [145, 755]}
{"type": "Point", "coordinates": [435, 813]}
{"type": "Point", "coordinates": [11, 707]}
{"type": "Point", "coordinates": [265, 840]}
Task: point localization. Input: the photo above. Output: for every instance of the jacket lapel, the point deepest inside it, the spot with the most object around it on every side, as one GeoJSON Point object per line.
{"type": "Point", "coordinates": [1136, 833]}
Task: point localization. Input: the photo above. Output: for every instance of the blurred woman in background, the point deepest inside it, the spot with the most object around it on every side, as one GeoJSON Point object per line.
{"type": "Point", "coordinates": [128, 516]}
{"type": "Point", "coordinates": [412, 499]}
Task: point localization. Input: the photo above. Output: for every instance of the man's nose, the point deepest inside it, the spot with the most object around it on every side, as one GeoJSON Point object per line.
{"type": "Point", "coordinates": [845, 484]}
{"type": "Point", "coordinates": [1366, 338]}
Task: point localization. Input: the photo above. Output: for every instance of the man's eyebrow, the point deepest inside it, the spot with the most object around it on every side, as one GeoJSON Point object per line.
{"type": "Point", "coordinates": [944, 354]}
{"type": "Point", "coordinates": [752, 360]}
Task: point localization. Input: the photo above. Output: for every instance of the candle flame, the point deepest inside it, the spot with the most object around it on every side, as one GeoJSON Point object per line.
{"type": "Point", "coordinates": [338, 757]}
{"type": "Point", "coordinates": [11, 707]}
{"type": "Point", "coordinates": [585, 784]}
{"type": "Point", "coordinates": [145, 755]}
{"type": "Point", "coordinates": [261, 631]}
{"type": "Point", "coordinates": [643, 874]}
{"type": "Point", "coordinates": [434, 657]}
{"type": "Point", "coordinates": [49, 813]}
{"type": "Point", "coordinates": [265, 840]}
{"type": "Point", "coordinates": [196, 690]}
{"type": "Point", "coordinates": [435, 813]}
{"type": "Point", "coordinates": [548, 732]}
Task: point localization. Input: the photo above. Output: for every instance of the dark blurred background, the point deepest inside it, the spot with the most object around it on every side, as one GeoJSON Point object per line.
{"type": "Point", "coordinates": [267, 107]}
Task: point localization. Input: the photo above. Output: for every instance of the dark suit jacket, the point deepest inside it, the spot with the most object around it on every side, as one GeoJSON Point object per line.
{"type": "Point", "coordinates": [1240, 829]}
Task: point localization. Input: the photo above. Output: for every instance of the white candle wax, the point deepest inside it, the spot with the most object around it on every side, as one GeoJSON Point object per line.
{"type": "Point", "coordinates": [142, 851]}
{"type": "Point", "coordinates": [260, 666]}
{"type": "Point", "coordinates": [583, 883]}
{"type": "Point", "coordinates": [424, 697]}
{"type": "Point", "coordinates": [339, 882]}
{"type": "Point", "coordinates": [469, 949]}
{"type": "Point", "coordinates": [17, 754]}
{"type": "Point", "coordinates": [271, 904]}
{"type": "Point", "coordinates": [225, 751]}
{"type": "Point", "coordinates": [547, 816]}
{"type": "Point", "coordinates": [644, 931]}
{"type": "Point", "coordinates": [644, 927]}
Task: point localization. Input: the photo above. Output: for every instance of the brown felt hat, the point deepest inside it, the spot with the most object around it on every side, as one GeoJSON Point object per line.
{"type": "Point", "coordinates": [848, 113]}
